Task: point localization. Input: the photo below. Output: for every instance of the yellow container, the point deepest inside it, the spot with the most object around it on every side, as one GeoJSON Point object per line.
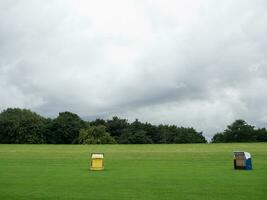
{"type": "Point", "coordinates": [97, 161]}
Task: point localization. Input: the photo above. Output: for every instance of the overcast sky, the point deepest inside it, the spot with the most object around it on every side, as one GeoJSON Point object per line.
{"type": "Point", "coordinates": [200, 63]}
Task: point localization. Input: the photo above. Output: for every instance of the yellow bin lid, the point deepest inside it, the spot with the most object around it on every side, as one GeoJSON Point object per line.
{"type": "Point", "coordinates": [97, 155]}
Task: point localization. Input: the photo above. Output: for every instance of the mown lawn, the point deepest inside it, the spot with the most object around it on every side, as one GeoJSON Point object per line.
{"type": "Point", "coordinates": [197, 171]}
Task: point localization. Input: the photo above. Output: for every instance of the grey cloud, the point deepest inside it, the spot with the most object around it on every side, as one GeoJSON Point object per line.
{"type": "Point", "coordinates": [191, 63]}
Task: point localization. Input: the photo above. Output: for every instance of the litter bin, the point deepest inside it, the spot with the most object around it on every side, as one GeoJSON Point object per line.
{"type": "Point", "coordinates": [242, 160]}
{"type": "Point", "coordinates": [97, 161]}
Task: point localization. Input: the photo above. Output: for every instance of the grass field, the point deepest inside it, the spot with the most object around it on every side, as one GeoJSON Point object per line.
{"type": "Point", "coordinates": [197, 171]}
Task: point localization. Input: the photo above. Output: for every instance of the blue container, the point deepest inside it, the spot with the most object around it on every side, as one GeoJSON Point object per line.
{"type": "Point", "coordinates": [248, 164]}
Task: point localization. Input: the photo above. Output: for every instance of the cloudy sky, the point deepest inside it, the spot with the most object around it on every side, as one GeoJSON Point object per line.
{"type": "Point", "coordinates": [200, 63]}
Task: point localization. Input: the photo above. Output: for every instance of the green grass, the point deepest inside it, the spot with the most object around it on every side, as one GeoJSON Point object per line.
{"type": "Point", "coordinates": [197, 171]}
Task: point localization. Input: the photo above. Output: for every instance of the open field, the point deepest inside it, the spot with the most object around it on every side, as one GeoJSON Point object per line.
{"type": "Point", "coordinates": [197, 171]}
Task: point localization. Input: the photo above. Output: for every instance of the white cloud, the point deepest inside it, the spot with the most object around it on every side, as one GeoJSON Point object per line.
{"type": "Point", "coordinates": [198, 63]}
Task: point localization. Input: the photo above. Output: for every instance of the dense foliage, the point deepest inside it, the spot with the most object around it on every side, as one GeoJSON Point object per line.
{"type": "Point", "coordinates": [21, 126]}
{"type": "Point", "coordinates": [240, 131]}
{"type": "Point", "coordinates": [24, 126]}
{"type": "Point", "coordinates": [95, 135]}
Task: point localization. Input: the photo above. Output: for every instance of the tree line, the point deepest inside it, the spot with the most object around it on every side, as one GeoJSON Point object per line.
{"type": "Point", "coordinates": [241, 131]}
{"type": "Point", "coordinates": [22, 126]}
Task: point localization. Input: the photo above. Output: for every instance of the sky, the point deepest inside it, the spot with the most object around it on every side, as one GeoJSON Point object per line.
{"type": "Point", "coordinates": [192, 63]}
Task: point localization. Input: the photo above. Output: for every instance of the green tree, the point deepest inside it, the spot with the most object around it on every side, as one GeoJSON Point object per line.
{"type": "Point", "coordinates": [115, 126]}
{"type": "Point", "coordinates": [65, 128]}
{"type": "Point", "coordinates": [135, 133]}
{"type": "Point", "coordinates": [98, 122]}
{"type": "Point", "coordinates": [21, 126]}
{"type": "Point", "coordinates": [132, 136]}
{"type": "Point", "coordinates": [238, 131]}
{"type": "Point", "coordinates": [139, 137]}
{"type": "Point", "coordinates": [218, 137]}
{"type": "Point", "coordinates": [188, 135]}
{"type": "Point", "coordinates": [261, 135]}
{"type": "Point", "coordinates": [152, 133]}
{"type": "Point", "coordinates": [95, 135]}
